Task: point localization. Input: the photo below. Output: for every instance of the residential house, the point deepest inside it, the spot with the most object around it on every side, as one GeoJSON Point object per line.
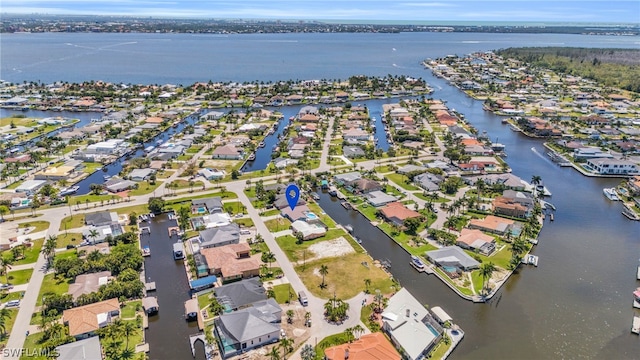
{"type": "Point", "coordinates": [353, 152]}
{"type": "Point", "coordinates": [411, 169]}
{"type": "Point", "coordinates": [410, 326]}
{"type": "Point", "coordinates": [141, 174]}
{"type": "Point", "coordinates": [364, 186]}
{"type": "Point", "coordinates": [608, 166]}
{"type": "Point", "coordinates": [356, 134]}
{"type": "Point", "coordinates": [476, 240]}
{"type": "Point", "coordinates": [30, 186]}
{"type": "Point", "coordinates": [299, 212]}
{"type": "Point", "coordinates": [232, 262]}
{"type": "Point", "coordinates": [428, 181]}
{"type": "Point", "coordinates": [86, 349]}
{"type": "Point", "coordinates": [397, 213]}
{"type": "Point", "coordinates": [228, 152]}
{"type": "Point", "coordinates": [379, 198]}
{"type": "Point", "coordinates": [101, 218]}
{"type": "Point", "coordinates": [209, 205]}
{"type": "Point", "coordinates": [281, 201]}
{"type": "Point", "coordinates": [514, 203]}
{"type": "Point", "coordinates": [116, 184]}
{"type": "Point", "coordinates": [585, 153]}
{"type": "Point", "coordinates": [305, 110]}
{"type": "Point", "coordinates": [452, 256]}
{"type": "Point", "coordinates": [367, 347]}
{"type": "Point", "coordinates": [212, 115]}
{"type": "Point", "coordinates": [84, 321]}
{"type": "Point", "coordinates": [211, 220]}
{"type": "Point", "coordinates": [220, 236]}
{"type": "Point", "coordinates": [341, 179]}
{"type": "Point", "coordinates": [308, 230]}
{"type": "Point", "coordinates": [282, 163]}
{"type": "Point", "coordinates": [212, 174]}
{"type": "Point", "coordinates": [494, 224]}
{"type": "Point", "coordinates": [240, 294]}
{"type": "Point", "coordinates": [88, 283]}
{"type": "Point", "coordinates": [101, 233]}
{"type": "Point", "coordinates": [54, 173]}
{"type": "Point", "coordinates": [243, 330]}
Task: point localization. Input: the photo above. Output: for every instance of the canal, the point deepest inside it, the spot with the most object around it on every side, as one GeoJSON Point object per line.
{"type": "Point", "coordinates": [168, 332]}
{"type": "Point", "coordinates": [576, 304]}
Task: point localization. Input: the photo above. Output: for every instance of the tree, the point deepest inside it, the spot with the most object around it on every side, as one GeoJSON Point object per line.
{"type": "Point", "coordinates": [93, 234]}
{"type": "Point", "coordinates": [412, 224]}
{"type": "Point", "coordinates": [96, 189]}
{"type": "Point", "coordinates": [287, 346]}
{"type": "Point", "coordinates": [348, 332]}
{"type": "Point", "coordinates": [367, 283]}
{"type": "Point", "coordinates": [486, 271]}
{"type": "Point", "coordinates": [290, 316]}
{"type": "Point", "coordinates": [235, 174]}
{"type": "Point", "coordinates": [308, 352]}
{"type": "Point", "coordinates": [268, 257]}
{"type": "Point", "coordinates": [299, 237]}
{"type": "Point", "coordinates": [274, 354]}
{"type": "Point", "coordinates": [128, 328]}
{"type": "Point", "coordinates": [536, 179]}
{"type": "Point", "coordinates": [183, 217]}
{"type": "Point", "coordinates": [358, 330]}
{"type": "Point", "coordinates": [215, 307]}
{"type": "Point", "coordinates": [156, 205]}
{"type": "Point", "coordinates": [5, 265]}
{"type": "Point", "coordinates": [49, 249]}
{"type": "Point", "coordinates": [3, 210]}
{"type": "Point", "coordinates": [324, 270]}
{"type": "Point", "coordinates": [4, 315]}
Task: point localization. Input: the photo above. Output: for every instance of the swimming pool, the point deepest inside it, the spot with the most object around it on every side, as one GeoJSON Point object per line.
{"type": "Point", "coordinates": [433, 330]}
{"type": "Point", "coordinates": [450, 269]}
{"type": "Point", "coordinates": [311, 216]}
{"type": "Point", "coordinates": [201, 209]}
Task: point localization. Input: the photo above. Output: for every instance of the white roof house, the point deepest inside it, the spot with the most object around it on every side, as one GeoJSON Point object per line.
{"type": "Point", "coordinates": [30, 186]}
{"type": "Point", "coordinates": [309, 231]}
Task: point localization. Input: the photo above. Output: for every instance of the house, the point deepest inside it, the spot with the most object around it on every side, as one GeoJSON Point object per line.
{"type": "Point", "coordinates": [356, 134]}
{"type": "Point", "coordinates": [101, 218]}
{"type": "Point", "coordinates": [220, 236]}
{"type": "Point", "coordinates": [228, 152]}
{"type": "Point", "coordinates": [243, 330]}
{"type": "Point", "coordinates": [309, 231]}
{"type": "Point", "coordinates": [299, 212]}
{"type": "Point", "coordinates": [476, 240]}
{"type": "Point", "coordinates": [84, 321]}
{"type": "Point", "coordinates": [369, 346]}
{"type": "Point", "coordinates": [353, 152]}
{"type": "Point", "coordinates": [281, 201]}
{"type": "Point", "coordinates": [115, 185]}
{"type": "Point", "coordinates": [240, 294]}
{"type": "Point", "coordinates": [607, 166]}
{"type": "Point", "coordinates": [86, 349]}
{"type": "Point", "coordinates": [109, 147]}
{"type": "Point", "coordinates": [232, 262]}
{"type": "Point", "coordinates": [30, 186]}
{"type": "Point", "coordinates": [88, 283]}
{"type": "Point", "coordinates": [379, 198]}
{"type": "Point", "coordinates": [141, 174]}
{"type": "Point", "coordinates": [364, 186]}
{"type": "Point", "coordinates": [514, 203]}
{"type": "Point", "coordinates": [55, 173]}
{"type": "Point", "coordinates": [585, 153]}
{"type": "Point", "coordinates": [493, 224]}
{"type": "Point", "coordinates": [397, 213]}
{"type": "Point", "coordinates": [411, 169]}
{"type": "Point", "coordinates": [99, 234]}
{"type": "Point", "coordinates": [341, 179]}
{"type": "Point", "coordinates": [452, 256]}
{"type": "Point", "coordinates": [207, 205]}
{"type": "Point", "coordinates": [428, 181]}
{"type": "Point", "coordinates": [410, 326]}
{"type": "Point", "coordinates": [282, 163]}
{"type": "Point", "coordinates": [212, 174]}
{"type": "Point", "coordinates": [212, 115]}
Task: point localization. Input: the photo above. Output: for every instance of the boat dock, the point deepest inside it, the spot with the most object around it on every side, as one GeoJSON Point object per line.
{"type": "Point", "coordinates": [638, 273]}
{"type": "Point", "coordinates": [636, 304]}
{"type": "Point", "coordinates": [635, 326]}
{"type": "Point", "coordinates": [530, 259]}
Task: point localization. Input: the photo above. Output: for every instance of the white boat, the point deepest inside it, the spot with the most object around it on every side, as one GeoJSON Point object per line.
{"type": "Point", "coordinates": [638, 273]}
{"type": "Point", "coordinates": [146, 251]}
{"type": "Point", "coordinates": [635, 327]}
{"type": "Point", "coordinates": [251, 157]}
{"type": "Point", "coordinates": [261, 144]}
{"type": "Point", "coordinates": [611, 194]}
{"type": "Point", "coordinates": [631, 215]}
{"type": "Point", "coordinates": [530, 259]}
{"type": "Point", "coordinates": [349, 228]}
{"type": "Point", "coordinates": [69, 190]}
{"type": "Point", "coordinates": [417, 263]}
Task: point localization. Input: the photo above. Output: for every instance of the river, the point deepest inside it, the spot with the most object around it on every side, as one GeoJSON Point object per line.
{"type": "Point", "coordinates": [576, 304]}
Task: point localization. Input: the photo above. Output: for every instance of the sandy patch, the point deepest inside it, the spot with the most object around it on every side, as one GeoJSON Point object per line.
{"type": "Point", "coordinates": [331, 248]}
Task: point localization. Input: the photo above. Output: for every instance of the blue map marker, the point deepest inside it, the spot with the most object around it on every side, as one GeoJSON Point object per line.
{"type": "Point", "coordinates": [292, 194]}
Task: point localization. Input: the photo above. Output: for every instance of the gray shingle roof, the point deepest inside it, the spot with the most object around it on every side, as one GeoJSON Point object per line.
{"type": "Point", "coordinates": [242, 293]}
{"type": "Point", "coordinates": [246, 324]}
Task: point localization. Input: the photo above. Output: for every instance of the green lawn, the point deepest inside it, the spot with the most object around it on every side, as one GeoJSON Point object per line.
{"type": "Point", "coordinates": [30, 254]}
{"type": "Point", "coordinates": [284, 293]}
{"type": "Point", "coordinates": [68, 239]}
{"type": "Point", "coordinates": [8, 325]}
{"type": "Point", "coordinates": [72, 222]}
{"type": "Point", "coordinates": [279, 224]}
{"type": "Point", "coordinates": [80, 201]}
{"type": "Point", "coordinates": [19, 277]}
{"type": "Point", "coordinates": [129, 310]}
{"type": "Point", "coordinates": [246, 222]}
{"type": "Point", "coordinates": [400, 180]}
{"type": "Point", "coordinates": [144, 187]}
{"type": "Point", "coordinates": [326, 219]}
{"type": "Point", "coordinates": [234, 207]}
{"type": "Point", "coordinates": [296, 252]}
{"type": "Point", "coordinates": [40, 225]}
{"type": "Point", "coordinates": [345, 276]}
{"type": "Point", "coordinates": [270, 212]}
{"type": "Point", "coordinates": [368, 211]}
{"type": "Point", "coordinates": [32, 346]}
{"type": "Point", "coordinates": [439, 350]}
{"type": "Point", "coordinates": [329, 341]}
{"type": "Point", "coordinates": [53, 285]}
{"type": "Point", "coordinates": [8, 296]}
{"type": "Point", "coordinates": [134, 339]}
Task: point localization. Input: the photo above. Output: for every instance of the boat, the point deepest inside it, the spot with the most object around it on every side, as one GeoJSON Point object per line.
{"type": "Point", "coordinates": [315, 196]}
{"type": "Point", "coordinates": [158, 142]}
{"type": "Point", "coordinates": [149, 149]}
{"type": "Point", "coordinates": [631, 215]}
{"type": "Point", "coordinates": [635, 327]}
{"type": "Point", "coordinates": [551, 216]}
{"type": "Point", "coordinates": [346, 205]}
{"type": "Point", "coordinates": [638, 273]}
{"type": "Point", "coordinates": [530, 259]}
{"type": "Point", "coordinates": [252, 157]}
{"type": "Point", "coordinates": [261, 144]}
{"type": "Point", "coordinates": [417, 263]}
{"type": "Point", "coordinates": [146, 251]}
{"type": "Point", "coordinates": [69, 190]}
{"type": "Point", "coordinates": [106, 177]}
{"type": "Point", "coordinates": [178, 251]}
{"type": "Point", "coordinates": [611, 194]}
{"type": "Point", "coordinates": [505, 120]}
{"type": "Point", "coordinates": [349, 228]}
{"type": "Point", "coordinates": [358, 240]}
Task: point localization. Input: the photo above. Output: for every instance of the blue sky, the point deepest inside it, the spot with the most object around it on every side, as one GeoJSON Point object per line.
{"type": "Point", "coordinates": [590, 11]}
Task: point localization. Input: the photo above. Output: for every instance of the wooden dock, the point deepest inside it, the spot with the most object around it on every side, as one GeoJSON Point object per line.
{"type": "Point", "coordinates": [635, 326]}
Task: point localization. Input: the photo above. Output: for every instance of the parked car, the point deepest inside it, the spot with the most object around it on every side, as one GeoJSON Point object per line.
{"type": "Point", "coordinates": [13, 303]}
{"type": "Point", "coordinates": [6, 286]}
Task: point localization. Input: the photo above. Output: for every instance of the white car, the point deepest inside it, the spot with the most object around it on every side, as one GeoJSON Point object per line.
{"type": "Point", "coordinates": [13, 303]}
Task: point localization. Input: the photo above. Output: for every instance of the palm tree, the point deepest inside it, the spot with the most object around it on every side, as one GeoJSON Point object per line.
{"type": "Point", "coordinates": [287, 346]}
{"type": "Point", "coordinates": [308, 352]}
{"type": "Point", "coordinates": [215, 307]}
{"type": "Point", "coordinates": [324, 270]}
{"type": "Point", "coordinates": [49, 248]}
{"type": "Point", "coordinates": [536, 179]}
{"type": "Point", "coordinates": [128, 328]}
{"type": "Point", "coordinates": [4, 315]}
{"type": "Point", "coordinates": [486, 270]}
{"type": "Point", "coordinates": [358, 330]}
{"type": "Point", "coordinates": [290, 314]}
{"type": "Point", "coordinates": [268, 257]}
{"type": "Point", "coordinates": [5, 265]}
{"type": "Point", "coordinates": [93, 234]}
{"type": "Point", "coordinates": [348, 333]}
{"type": "Point", "coordinates": [367, 283]}
{"type": "Point", "coordinates": [274, 354]}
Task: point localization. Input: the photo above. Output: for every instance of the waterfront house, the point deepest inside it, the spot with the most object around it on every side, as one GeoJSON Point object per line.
{"type": "Point", "coordinates": [88, 283]}
{"type": "Point", "coordinates": [452, 256]}
{"type": "Point", "coordinates": [397, 213]}
{"type": "Point", "coordinates": [240, 294]}
{"type": "Point", "coordinates": [514, 203]}
{"type": "Point", "coordinates": [356, 134]}
{"type": "Point", "coordinates": [141, 174]}
{"type": "Point", "coordinates": [476, 240]}
{"type": "Point", "coordinates": [102, 232]}
{"type": "Point", "coordinates": [608, 166]}
{"type": "Point", "coordinates": [585, 153]}
{"type": "Point", "coordinates": [410, 168]}
{"type": "Point", "coordinates": [232, 262]}
{"type": "Point", "coordinates": [364, 186]}
{"type": "Point", "coordinates": [379, 198]}
{"type": "Point", "coordinates": [109, 147]}
{"type": "Point", "coordinates": [212, 174]}
{"type": "Point", "coordinates": [281, 201]}
{"type": "Point", "coordinates": [228, 152]}
{"type": "Point", "coordinates": [212, 115]}
{"type": "Point", "coordinates": [282, 163]}
{"type": "Point", "coordinates": [299, 212]}
{"type": "Point", "coordinates": [369, 346]}
{"type": "Point", "coordinates": [101, 218]}
{"type": "Point", "coordinates": [86, 349]}
{"type": "Point", "coordinates": [116, 184]}
{"type": "Point", "coordinates": [341, 179]}
{"type": "Point", "coordinates": [220, 236]}
{"type": "Point", "coordinates": [410, 326]}
{"type": "Point", "coordinates": [84, 321]}
{"type": "Point", "coordinates": [495, 225]}
{"type": "Point", "coordinates": [308, 230]}
{"type": "Point", "coordinates": [209, 205]}
{"type": "Point", "coordinates": [30, 187]}
{"type": "Point", "coordinates": [245, 329]}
